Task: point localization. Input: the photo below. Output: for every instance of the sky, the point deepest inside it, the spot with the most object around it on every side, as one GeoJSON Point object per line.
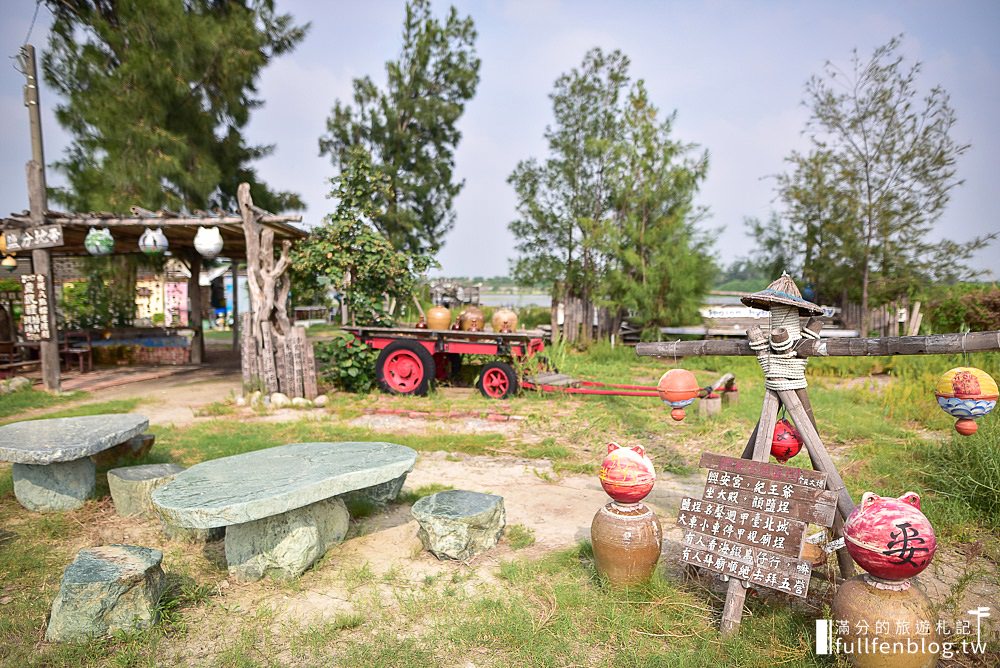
{"type": "Point", "coordinates": [734, 71]}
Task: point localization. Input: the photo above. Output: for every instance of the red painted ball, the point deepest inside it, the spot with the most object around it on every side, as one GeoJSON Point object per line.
{"type": "Point", "coordinates": [627, 474]}
{"type": "Point", "coordinates": [786, 442]}
{"type": "Point", "coordinates": [890, 538]}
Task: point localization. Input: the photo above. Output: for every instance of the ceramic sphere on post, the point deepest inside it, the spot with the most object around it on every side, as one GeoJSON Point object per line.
{"type": "Point", "coordinates": [890, 538]}
{"type": "Point", "coordinates": [626, 535]}
{"type": "Point", "coordinates": [679, 388]}
{"type": "Point", "coordinates": [966, 393]}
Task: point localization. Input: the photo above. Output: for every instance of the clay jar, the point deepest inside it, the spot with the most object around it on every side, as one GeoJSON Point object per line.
{"type": "Point", "coordinates": [472, 319]}
{"type": "Point", "coordinates": [890, 538]}
{"type": "Point", "coordinates": [504, 320]}
{"type": "Point", "coordinates": [627, 540]}
{"type": "Point", "coordinates": [863, 603]}
{"type": "Point", "coordinates": [438, 317]}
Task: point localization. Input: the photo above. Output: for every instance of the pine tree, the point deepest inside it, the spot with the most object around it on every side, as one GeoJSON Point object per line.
{"type": "Point", "coordinates": [409, 129]}
{"type": "Point", "coordinates": [158, 93]}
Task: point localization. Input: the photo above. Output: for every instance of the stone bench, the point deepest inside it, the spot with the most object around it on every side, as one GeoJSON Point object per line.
{"type": "Point", "coordinates": [457, 524]}
{"type": "Point", "coordinates": [132, 486]}
{"type": "Point", "coordinates": [281, 507]}
{"type": "Point", "coordinates": [53, 466]}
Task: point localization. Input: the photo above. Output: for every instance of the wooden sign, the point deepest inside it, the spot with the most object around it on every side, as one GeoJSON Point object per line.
{"type": "Point", "coordinates": [30, 238]}
{"type": "Point", "coordinates": [35, 298]}
{"type": "Point", "coordinates": [752, 519]}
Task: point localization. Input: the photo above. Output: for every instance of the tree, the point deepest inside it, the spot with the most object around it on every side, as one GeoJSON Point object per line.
{"type": "Point", "coordinates": [158, 93]}
{"type": "Point", "coordinates": [880, 173]}
{"type": "Point", "coordinates": [607, 218]}
{"type": "Point", "coordinates": [347, 253]}
{"type": "Point", "coordinates": [408, 130]}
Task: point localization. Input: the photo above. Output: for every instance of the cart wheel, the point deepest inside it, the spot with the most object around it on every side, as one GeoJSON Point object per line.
{"type": "Point", "coordinates": [404, 367]}
{"type": "Point", "coordinates": [497, 380]}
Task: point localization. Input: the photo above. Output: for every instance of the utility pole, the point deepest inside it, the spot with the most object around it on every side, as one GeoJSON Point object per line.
{"type": "Point", "coordinates": [38, 205]}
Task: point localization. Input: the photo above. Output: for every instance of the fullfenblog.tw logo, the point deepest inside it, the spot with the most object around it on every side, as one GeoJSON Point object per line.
{"type": "Point", "coordinates": [945, 638]}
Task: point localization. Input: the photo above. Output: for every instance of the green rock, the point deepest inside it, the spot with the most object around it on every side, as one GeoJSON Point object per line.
{"type": "Point", "coordinates": [54, 487]}
{"type": "Point", "coordinates": [458, 524]}
{"type": "Point", "coordinates": [107, 589]}
{"type": "Point", "coordinates": [132, 486]}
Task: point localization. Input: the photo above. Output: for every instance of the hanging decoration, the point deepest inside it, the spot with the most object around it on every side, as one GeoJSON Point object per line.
{"type": "Point", "coordinates": [786, 442]}
{"type": "Point", "coordinates": [153, 242]}
{"type": "Point", "coordinates": [679, 388]}
{"type": "Point", "coordinates": [968, 394]}
{"type": "Point", "coordinates": [9, 263]}
{"type": "Point", "coordinates": [99, 242]}
{"type": "Point", "coordinates": [208, 242]}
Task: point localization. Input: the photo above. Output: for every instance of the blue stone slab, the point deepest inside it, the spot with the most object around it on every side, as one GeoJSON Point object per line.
{"type": "Point", "coordinates": [255, 485]}
{"type": "Point", "coordinates": [67, 439]}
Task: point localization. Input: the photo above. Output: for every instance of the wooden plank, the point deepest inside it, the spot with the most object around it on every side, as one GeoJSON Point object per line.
{"type": "Point", "coordinates": [760, 469]}
{"type": "Point", "coordinates": [937, 344]}
{"type": "Point", "coordinates": [309, 381]}
{"type": "Point", "coordinates": [814, 512]}
{"type": "Point", "coordinates": [761, 530]}
{"type": "Point", "coordinates": [749, 564]}
{"type": "Point", "coordinates": [34, 237]}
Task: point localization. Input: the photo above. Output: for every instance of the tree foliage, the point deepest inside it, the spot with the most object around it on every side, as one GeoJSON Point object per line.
{"type": "Point", "coordinates": [859, 204]}
{"type": "Point", "coordinates": [348, 254]}
{"type": "Point", "coordinates": [408, 130]}
{"type": "Point", "coordinates": [609, 217]}
{"type": "Point", "coordinates": [158, 93]}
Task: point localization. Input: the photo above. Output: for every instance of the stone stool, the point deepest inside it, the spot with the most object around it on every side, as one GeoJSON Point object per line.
{"type": "Point", "coordinates": [107, 589]}
{"type": "Point", "coordinates": [458, 524]}
{"type": "Point", "coordinates": [132, 486]}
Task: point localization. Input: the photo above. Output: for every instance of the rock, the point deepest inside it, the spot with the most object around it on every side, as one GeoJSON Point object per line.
{"type": "Point", "coordinates": [132, 486]}
{"type": "Point", "coordinates": [132, 449]}
{"type": "Point", "coordinates": [262, 483]}
{"type": "Point", "coordinates": [279, 400]}
{"type": "Point", "coordinates": [241, 400]}
{"type": "Point", "coordinates": [185, 535]}
{"type": "Point", "coordinates": [380, 494]}
{"type": "Point", "coordinates": [255, 398]}
{"type": "Point", "coordinates": [66, 439]}
{"type": "Point", "coordinates": [458, 524]}
{"type": "Point", "coordinates": [321, 401]}
{"type": "Point", "coordinates": [53, 487]}
{"type": "Point", "coordinates": [18, 383]}
{"type": "Point", "coordinates": [284, 546]}
{"type": "Point", "coordinates": [107, 589]}
{"type": "Point", "coordinates": [301, 402]}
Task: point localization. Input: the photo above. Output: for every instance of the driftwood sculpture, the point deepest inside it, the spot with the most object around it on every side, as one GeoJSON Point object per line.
{"type": "Point", "coordinates": [276, 357]}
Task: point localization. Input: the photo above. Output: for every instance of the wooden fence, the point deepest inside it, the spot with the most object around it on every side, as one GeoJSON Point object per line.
{"type": "Point", "coordinates": [294, 369]}
{"type": "Point", "coordinates": [897, 318]}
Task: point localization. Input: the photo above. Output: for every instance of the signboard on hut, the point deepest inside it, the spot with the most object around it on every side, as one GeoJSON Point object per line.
{"type": "Point", "coordinates": [36, 308]}
{"type": "Point", "coordinates": [750, 522]}
{"type": "Point", "coordinates": [30, 238]}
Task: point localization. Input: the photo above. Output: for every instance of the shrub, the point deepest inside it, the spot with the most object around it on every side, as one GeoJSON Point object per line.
{"type": "Point", "coordinates": [346, 363]}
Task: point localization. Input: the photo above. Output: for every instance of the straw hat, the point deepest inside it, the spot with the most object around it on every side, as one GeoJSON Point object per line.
{"type": "Point", "coordinates": [782, 291]}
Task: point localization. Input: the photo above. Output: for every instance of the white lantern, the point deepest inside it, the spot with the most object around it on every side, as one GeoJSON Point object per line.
{"type": "Point", "coordinates": [153, 242]}
{"type": "Point", "coordinates": [208, 241]}
{"type": "Point", "coordinates": [99, 242]}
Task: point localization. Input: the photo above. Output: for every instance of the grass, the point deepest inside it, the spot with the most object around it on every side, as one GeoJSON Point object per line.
{"type": "Point", "coordinates": [16, 403]}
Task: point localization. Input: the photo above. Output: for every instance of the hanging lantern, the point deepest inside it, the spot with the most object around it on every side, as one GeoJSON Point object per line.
{"type": "Point", "coordinates": [786, 442]}
{"type": "Point", "coordinates": [890, 538]}
{"type": "Point", "coordinates": [968, 394]}
{"type": "Point", "coordinates": [9, 263]}
{"type": "Point", "coordinates": [153, 242]}
{"type": "Point", "coordinates": [627, 474]}
{"type": "Point", "coordinates": [679, 388]}
{"type": "Point", "coordinates": [208, 242]}
{"type": "Point", "coordinates": [99, 242]}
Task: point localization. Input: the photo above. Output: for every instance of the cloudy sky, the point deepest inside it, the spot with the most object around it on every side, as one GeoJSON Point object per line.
{"type": "Point", "coordinates": [734, 71]}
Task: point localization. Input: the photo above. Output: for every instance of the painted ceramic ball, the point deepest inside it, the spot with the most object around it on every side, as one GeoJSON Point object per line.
{"type": "Point", "coordinates": [679, 388]}
{"type": "Point", "coordinates": [627, 474]}
{"type": "Point", "coordinates": [890, 538]}
{"type": "Point", "coordinates": [786, 442]}
{"type": "Point", "coordinates": [968, 394]}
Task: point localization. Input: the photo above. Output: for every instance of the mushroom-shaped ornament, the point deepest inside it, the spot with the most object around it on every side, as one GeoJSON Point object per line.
{"type": "Point", "coordinates": [968, 394]}
{"type": "Point", "coordinates": [679, 388]}
{"type": "Point", "coordinates": [890, 538]}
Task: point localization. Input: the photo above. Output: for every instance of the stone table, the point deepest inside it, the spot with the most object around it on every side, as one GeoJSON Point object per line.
{"type": "Point", "coordinates": [279, 505]}
{"type": "Point", "coordinates": [52, 465]}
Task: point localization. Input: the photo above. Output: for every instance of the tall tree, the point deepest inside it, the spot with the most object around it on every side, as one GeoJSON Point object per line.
{"type": "Point", "coordinates": [608, 217]}
{"type": "Point", "coordinates": [880, 174]}
{"type": "Point", "coordinates": [158, 93]}
{"type": "Point", "coordinates": [409, 129]}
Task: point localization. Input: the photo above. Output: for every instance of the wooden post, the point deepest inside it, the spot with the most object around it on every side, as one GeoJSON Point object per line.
{"type": "Point", "coordinates": [236, 307]}
{"type": "Point", "coordinates": [38, 205]}
{"type": "Point", "coordinates": [194, 308]}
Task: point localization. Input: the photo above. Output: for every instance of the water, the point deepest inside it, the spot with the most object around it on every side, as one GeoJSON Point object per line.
{"type": "Point", "coordinates": [515, 300]}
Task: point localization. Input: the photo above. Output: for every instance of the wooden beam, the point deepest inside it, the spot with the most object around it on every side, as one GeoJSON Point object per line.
{"type": "Point", "coordinates": [194, 312]}
{"type": "Point", "coordinates": [937, 344]}
{"type": "Point", "coordinates": [133, 221]}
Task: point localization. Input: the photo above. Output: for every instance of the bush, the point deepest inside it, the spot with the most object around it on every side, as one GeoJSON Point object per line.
{"type": "Point", "coordinates": [965, 307]}
{"type": "Point", "coordinates": [346, 363]}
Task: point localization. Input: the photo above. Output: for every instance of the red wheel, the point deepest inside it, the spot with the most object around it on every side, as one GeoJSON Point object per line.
{"type": "Point", "coordinates": [497, 380]}
{"type": "Point", "coordinates": [405, 367]}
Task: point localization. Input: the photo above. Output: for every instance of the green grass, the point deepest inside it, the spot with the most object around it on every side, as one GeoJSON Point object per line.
{"type": "Point", "coordinates": [520, 536]}
{"type": "Point", "coordinates": [16, 403]}
{"type": "Point", "coordinates": [411, 496]}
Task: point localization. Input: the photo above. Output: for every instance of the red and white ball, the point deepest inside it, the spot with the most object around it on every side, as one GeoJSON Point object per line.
{"type": "Point", "coordinates": [890, 538]}
{"type": "Point", "coordinates": [627, 474]}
